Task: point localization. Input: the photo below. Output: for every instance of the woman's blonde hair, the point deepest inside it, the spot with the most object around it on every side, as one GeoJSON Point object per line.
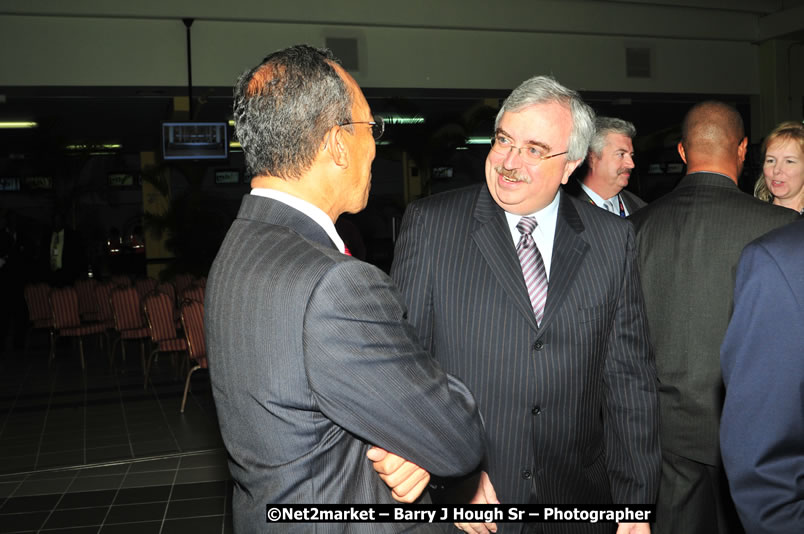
{"type": "Point", "coordinates": [788, 130]}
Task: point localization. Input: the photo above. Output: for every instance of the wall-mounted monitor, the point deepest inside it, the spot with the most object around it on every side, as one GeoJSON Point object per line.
{"type": "Point", "coordinates": [194, 140]}
{"type": "Point", "coordinates": [227, 176]}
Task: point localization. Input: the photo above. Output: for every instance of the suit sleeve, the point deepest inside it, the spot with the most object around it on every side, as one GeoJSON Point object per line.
{"type": "Point", "coordinates": [762, 426]}
{"type": "Point", "coordinates": [412, 274]}
{"type": "Point", "coordinates": [631, 409]}
{"type": "Point", "coordinates": [371, 376]}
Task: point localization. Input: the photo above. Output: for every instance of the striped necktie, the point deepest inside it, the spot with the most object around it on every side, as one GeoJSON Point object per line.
{"type": "Point", "coordinates": [532, 267]}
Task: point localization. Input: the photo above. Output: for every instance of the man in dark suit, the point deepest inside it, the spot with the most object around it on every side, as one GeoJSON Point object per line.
{"type": "Point", "coordinates": [310, 356]}
{"type": "Point", "coordinates": [762, 428]}
{"type": "Point", "coordinates": [566, 383]}
{"type": "Point", "coordinates": [608, 168]}
{"type": "Point", "coordinates": [689, 242]}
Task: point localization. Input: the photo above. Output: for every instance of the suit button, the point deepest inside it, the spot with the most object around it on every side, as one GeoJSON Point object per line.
{"type": "Point", "coordinates": [538, 345]}
{"type": "Point", "coordinates": [526, 474]}
{"type": "Point", "coordinates": [405, 316]}
{"type": "Point", "coordinates": [536, 410]}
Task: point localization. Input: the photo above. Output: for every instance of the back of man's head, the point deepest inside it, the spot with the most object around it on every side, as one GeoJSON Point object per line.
{"type": "Point", "coordinates": [284, 107]}
{"type": "Point", "coordinates": [713, 139]}
{"type": "Point", "coordinates": [711, 128]}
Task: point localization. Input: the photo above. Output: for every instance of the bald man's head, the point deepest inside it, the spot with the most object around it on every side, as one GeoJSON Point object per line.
{"type": "Point", "coordinates": [713, 139]}
{"type": "Point", "coordinates": [711, 126]}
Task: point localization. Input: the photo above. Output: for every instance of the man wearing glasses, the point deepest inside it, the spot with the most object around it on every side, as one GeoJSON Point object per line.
{"type": "Point", "coordinates": [532, 298]}
{"type": "Point", "coordinates": [311, 360]}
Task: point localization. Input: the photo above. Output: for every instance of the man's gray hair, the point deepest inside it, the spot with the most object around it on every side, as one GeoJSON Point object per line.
{"type": "Point", "coordinates": [545, 89]}
{"type": "Point", "coordinates": [284, 107]}
{"type": "Point", "coordinates": [605, 126]}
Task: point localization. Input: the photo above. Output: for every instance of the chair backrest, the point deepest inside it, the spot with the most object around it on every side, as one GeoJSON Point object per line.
{"type": "Point", "coordinates": [181, 281]}
{"type": "Point", "coordinates": [121, 280]}
{"type": "Point", "coordinates": [192, 319]}
{"type": "Point", "coordinates": [159, 312]}
{"type": "Point", "coordinates": [87, 303]}
{"type": "Point", "coordinates": [168, 289]}
{"type": "Point", "coordinates": [145, 286]}
{"type": "Point", "coordinates": [38, 301]}
{"type": "Point", "coordinates": [127, 309]}
{"type": "Point", "coordinates": [64, 301]}
{"type": "Point", "coordinates": [103, 296]}
{"type": "Point", "coordinates": [192, 292]}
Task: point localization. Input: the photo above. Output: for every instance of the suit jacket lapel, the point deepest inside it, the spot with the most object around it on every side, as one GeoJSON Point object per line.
{"type": "Point", "coordinates": [568, 252]}
{"type": "Point", "coordinates": [493, 238]}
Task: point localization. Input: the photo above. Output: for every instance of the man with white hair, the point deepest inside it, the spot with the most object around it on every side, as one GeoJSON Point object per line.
{"type": "Point", "coordinates": [533, 300]}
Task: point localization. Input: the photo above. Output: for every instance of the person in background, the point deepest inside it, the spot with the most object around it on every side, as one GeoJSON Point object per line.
{"type": "Point", "coordinates": [689, 242]}
{"type": "Point", "coordinates": [782, 180]}
{"type": "Point", "coordinates": [608, 168]}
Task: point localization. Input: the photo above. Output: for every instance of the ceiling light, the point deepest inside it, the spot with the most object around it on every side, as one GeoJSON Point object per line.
{"type": "Point", "coordinates": [478, 140]}
{"type": "Point", "coordinates": [18, 124]}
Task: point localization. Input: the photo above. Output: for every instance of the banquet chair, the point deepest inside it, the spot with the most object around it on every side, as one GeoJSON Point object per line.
{"type": "Point", "coordinates": [129, 321]}
{"type": "Point", "coordinates": [162, 327]}
{"type": "Point", "coordinates": [67, 320]}
{"type": "Point", "coordinates": [192, 318]}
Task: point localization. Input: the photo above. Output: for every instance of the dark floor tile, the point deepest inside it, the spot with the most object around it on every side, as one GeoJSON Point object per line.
{"type": "Point", "coordinates": [75, 530]}
{"type": "Point", "coordinates": [100, 483]}
{"type": "Point", "coordinates": [195, 507]}
{"type": "Point", "coordinates": [207, 459]}
{"type": "Point", "coordinates": [103, 470]}
{"type": "Point", "coordinates": [58, 459]}
{"type": "Point", "coordinates": [129, 513]}
{"type": "Point", "coordinates": [199, 490]}
{"type": "Point", "coordinates": [163, 464]}
{"type": "Point", "coordinates": [16, 464]}
{"type": "Point", "coordinates": [148, 527]}
{"type": "Point", "coordinates": [143, 495]}
{"type": "Point", "coordinates": [85, 499]}
{"type": "Point", "coordinates": [79, 517]}
{"type": "Point", "coordinates": [153, 478]}
{"type": "Point", "coordinates": [155, 447]}
{"type": "Point", "coordinates": [22, 522]}
{"type": "Point", "coordinates": [106, 441]}
{"type": "Point", "coordinates": [45, 486]}
{"type": "Point", "coordinates": [103, 454]}
{"type": "Point", "coordinates": [196, 525]}
{"type": "Point", "coordinates": [32, 503]}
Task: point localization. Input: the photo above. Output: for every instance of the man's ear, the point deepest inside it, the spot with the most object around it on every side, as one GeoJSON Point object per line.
{"type": "Point", "coordinates": [335, 145]}
{"type": "Point", "coordinates": [681, 152]}
{"type": "Point", "coordinates": [742, 148]}
{"type": "Point", "coordinates": [569, 168]}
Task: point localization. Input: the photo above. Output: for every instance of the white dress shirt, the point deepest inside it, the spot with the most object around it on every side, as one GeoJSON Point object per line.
{"type": "Point", "coordinates": [543, 234]}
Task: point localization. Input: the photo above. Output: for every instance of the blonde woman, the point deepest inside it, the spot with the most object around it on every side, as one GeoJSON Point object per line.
{"type": "Point", "coordinates": [782, 180]}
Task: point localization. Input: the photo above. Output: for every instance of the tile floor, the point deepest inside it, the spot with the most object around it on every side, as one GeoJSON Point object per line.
{"type": "Point", "coordinates": [94, 451]}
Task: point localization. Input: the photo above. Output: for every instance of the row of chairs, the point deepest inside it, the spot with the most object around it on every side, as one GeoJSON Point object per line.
{"type": "Point", "coordinates": [145, 312]}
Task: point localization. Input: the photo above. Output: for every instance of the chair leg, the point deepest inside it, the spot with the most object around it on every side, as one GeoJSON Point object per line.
{"type": "Point", "coordinates": [52, 346]}
{"type": "Point", "coordinates": [187, 386]}
{"type": "Point", "coordinates": [81, 352]}
{"type": "Point", "coordinates": [148, 368]}
{"type": "Point", "coordinates": [142, 355]}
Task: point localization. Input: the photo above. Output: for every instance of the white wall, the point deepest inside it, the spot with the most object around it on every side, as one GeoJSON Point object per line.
{"type": "Point", "coordinates": [412, 44]}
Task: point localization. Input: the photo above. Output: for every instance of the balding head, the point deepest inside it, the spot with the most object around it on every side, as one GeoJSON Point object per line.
{"type": "Point", "coordinates": [713, 139]}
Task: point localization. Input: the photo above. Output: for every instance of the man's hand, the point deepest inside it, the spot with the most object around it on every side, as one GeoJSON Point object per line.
{"type": "Point", "coordinates": [633, 528]}
{"type": "Point", "coordinates": [485, 494]}
{"type": "Point", "coordinates": [406, 479]}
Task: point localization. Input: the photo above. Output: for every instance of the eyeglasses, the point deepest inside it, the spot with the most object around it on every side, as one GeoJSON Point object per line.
{"type": "Point", "coordinates": [530, 154]}
{"type": "Point", "coordinates": [377, 126]}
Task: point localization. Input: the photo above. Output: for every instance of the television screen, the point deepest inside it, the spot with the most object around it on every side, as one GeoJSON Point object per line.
{"type": "Point", "coordinates": [194, 140]}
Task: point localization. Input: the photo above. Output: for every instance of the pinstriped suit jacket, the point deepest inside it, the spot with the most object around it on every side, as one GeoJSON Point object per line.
{"type": "Point", "coordinates": [569, 408]}
{"type": "Point", "coordinates": [311, 362]}
{"type": "Point", "coordinates": [689, 244]}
